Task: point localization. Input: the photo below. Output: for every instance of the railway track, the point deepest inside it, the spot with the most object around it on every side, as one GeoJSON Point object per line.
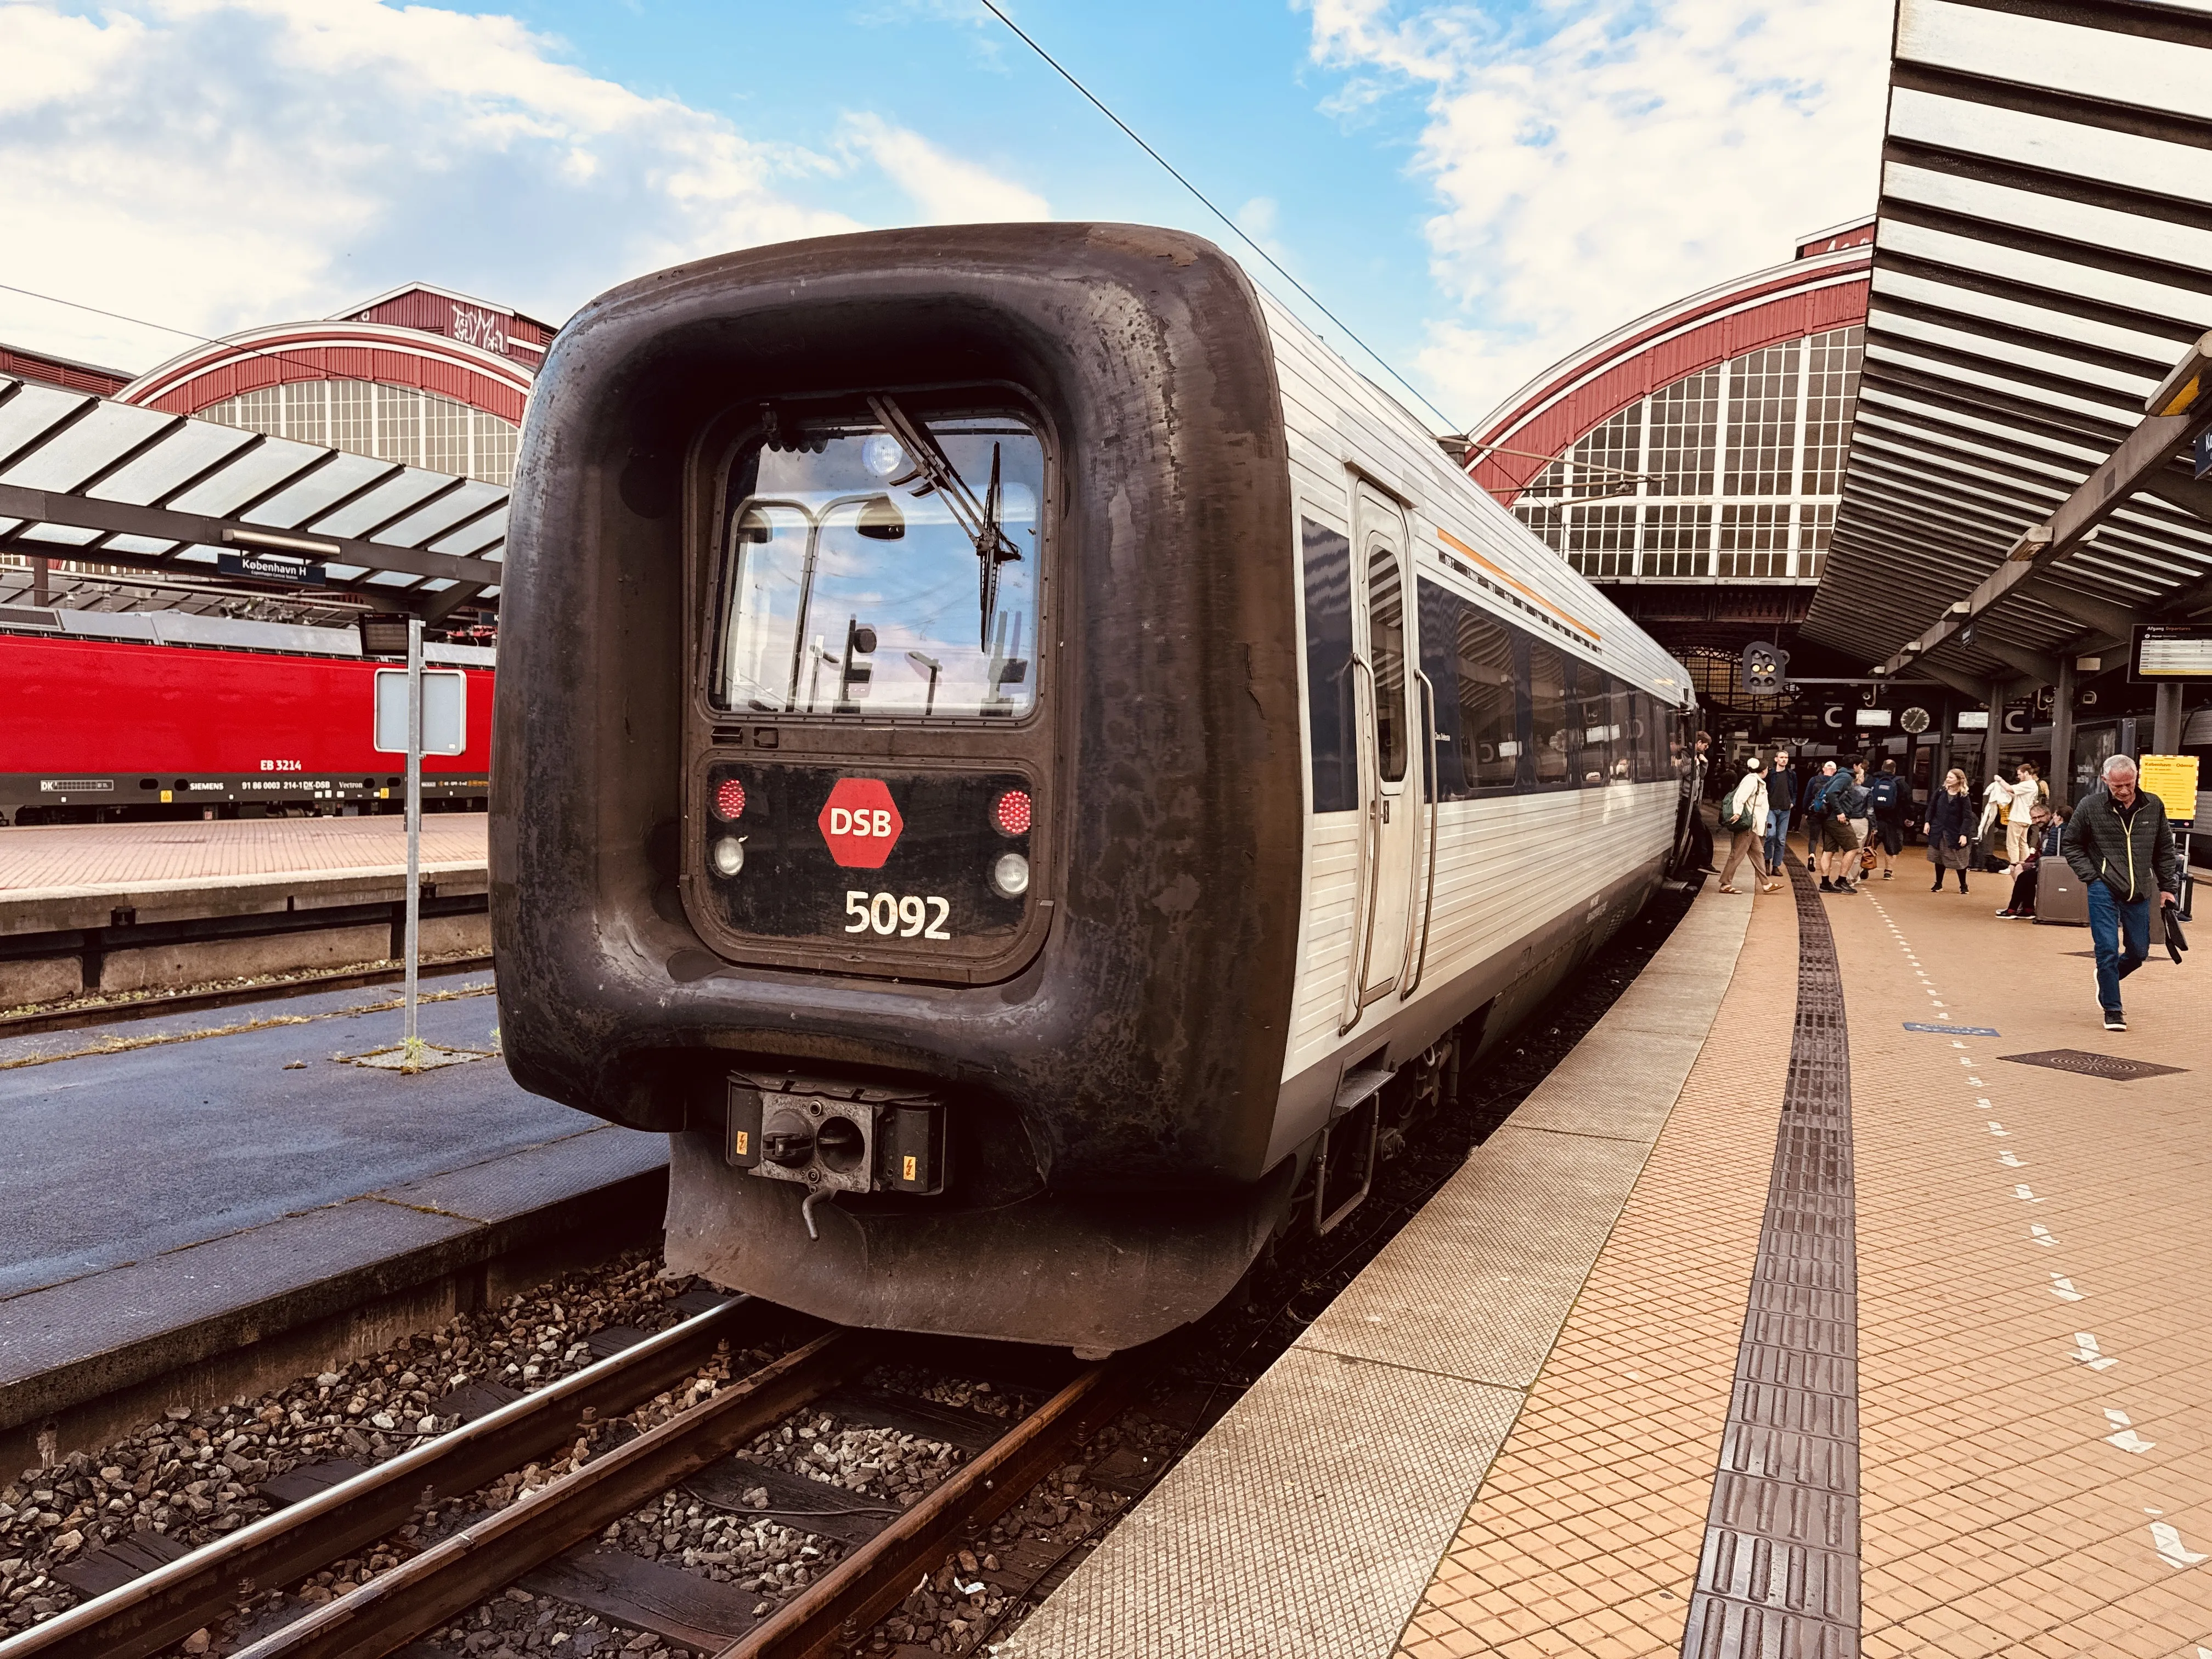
{"type": "Point", "coordinates": [872, 1550]}
{"type": "Point", "coordinates": [81, 1015]}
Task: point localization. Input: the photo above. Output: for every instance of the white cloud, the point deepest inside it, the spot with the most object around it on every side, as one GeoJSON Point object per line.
{"type": "Point", "coordinates": [1594, 159]}
{"type": "Point", "coordinates": [217, 165]}
{"type": "Point", "coordinates": [947, 189]}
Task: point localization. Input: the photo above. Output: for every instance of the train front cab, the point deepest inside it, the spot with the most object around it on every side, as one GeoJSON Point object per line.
{"type": "Point", "coordinates": [900, 793]}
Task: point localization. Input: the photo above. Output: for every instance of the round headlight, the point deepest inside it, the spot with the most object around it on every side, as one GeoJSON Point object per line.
{"type": "Point", "coordinates": [1011, 875]}
{"type": "Point", "coordinates": [728, 854]}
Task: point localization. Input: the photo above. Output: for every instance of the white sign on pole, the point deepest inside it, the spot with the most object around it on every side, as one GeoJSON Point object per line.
{"type": "Point", "coordinates": [445, 711]}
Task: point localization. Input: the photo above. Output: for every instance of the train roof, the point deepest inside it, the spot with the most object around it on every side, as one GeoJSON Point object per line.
{"type": "Point", "coordinates": [183, 627]}
{"type": "Point", "coordinates": [1336, 417]}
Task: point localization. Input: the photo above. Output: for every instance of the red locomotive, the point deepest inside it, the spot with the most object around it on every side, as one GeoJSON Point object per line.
{"type": "Point", "coordinates": [164, 714]}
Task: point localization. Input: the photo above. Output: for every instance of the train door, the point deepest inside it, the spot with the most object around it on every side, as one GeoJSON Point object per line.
{"type": "Point", "coordinates": [1392, 777]}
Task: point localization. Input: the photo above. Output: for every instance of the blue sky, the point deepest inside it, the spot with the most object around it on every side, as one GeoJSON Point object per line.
{"type": "Point", "coordinates": [1476, 186]}
{"type": "Point", "coordinates": [1226, 92]}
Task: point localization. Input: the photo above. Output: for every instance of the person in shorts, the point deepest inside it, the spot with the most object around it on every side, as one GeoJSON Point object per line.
{"type": "Point", "coordinates": [1839, 843]}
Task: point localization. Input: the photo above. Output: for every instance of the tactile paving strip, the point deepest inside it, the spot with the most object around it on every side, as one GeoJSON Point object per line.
{"type": "Point", "coordinates": [1780, 1572]}
{"type": "Point", "coordinates": [2091, 1065]}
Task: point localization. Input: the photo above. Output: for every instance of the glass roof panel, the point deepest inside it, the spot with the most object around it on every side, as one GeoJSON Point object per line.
{"type": "Point", "coordinates": [2004, 441]}
{"type": "Point", "coordinates": [2037, 52]}
{"type": "Point", "coordinates": [2053, 215]}
{"type": "Point", "coordinates": [2015, 314]}
{"type": "Point", "coordinates": [420, 527]}
{"type": "Point", "coordinates": [482, 538]}
{"type": "Point", "coordinates": [1894, 325]}
{"type": "Point", "coordinates": [188, 451]}
{"type": "Point", "coordinates": [2126, 159]}
{"type": "Point", "coordinates": [32, 410]}
{"type": "Point", "coordinates": [2060, 276]}
{"type": "Point", "coordinates": [2060, 470]}
{"type": "Point", "coordinates": [386, 500]}
{"type": "Point", "coordinates": [74, 454]}
{"type": "Point", "coordinates": [1969, 381]}
{"type": "Point", "coordinates": [297, 505]}
{"type": "Point", "coordinates": [66, 534]}
{"type": "Point", "coordinates": [221, 495]}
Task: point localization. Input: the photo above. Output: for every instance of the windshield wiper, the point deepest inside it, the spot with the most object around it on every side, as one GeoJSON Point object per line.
{"type": "Point", "coordinates": [978, 521]}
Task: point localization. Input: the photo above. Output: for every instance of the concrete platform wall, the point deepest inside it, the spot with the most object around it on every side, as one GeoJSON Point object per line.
{"type": "Point", "coordinates": [60, 943]}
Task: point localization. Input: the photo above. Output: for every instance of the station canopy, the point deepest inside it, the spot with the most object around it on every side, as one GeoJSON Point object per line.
{"type": "Point", "coordinates": [2019, 485]}
{"type": "Point", "coordinates": [85, 478]}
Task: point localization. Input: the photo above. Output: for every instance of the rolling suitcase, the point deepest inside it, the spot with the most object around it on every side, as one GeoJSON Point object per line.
{"type": "Point", "coordinates": [2061, 896]}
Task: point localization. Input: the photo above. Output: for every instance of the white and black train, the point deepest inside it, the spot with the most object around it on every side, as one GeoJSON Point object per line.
{"type": "Point", "coordinates": [1030, 769]}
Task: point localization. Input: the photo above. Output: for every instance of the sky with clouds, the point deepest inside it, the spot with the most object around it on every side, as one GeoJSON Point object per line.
{"type": "Point", "coordinates": [1475, 186]}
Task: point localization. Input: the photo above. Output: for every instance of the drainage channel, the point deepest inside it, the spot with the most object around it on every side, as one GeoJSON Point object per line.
{"type": "Point", "coordinates": [1780, 1570]}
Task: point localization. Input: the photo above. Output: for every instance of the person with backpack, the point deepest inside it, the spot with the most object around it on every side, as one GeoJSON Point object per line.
{"type": "Point", "coordinates": [1743, 815]}
{"type": "Point", "coordinates": [1885, 791]}
{"type": "Point", "coordinates": [1840, 800]}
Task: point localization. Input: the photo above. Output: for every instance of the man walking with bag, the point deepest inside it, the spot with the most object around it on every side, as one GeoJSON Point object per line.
{"type": "Point", "coordinates": [2119, 844]}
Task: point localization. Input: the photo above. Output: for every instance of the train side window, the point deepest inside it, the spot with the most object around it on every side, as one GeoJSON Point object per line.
{"type": "Point", "coordinates": [1620, 733]}
{"type": "Point", "coordinates": [1588, 731]}
{"type": "Point", "coordinates": [1329, 704]}
{"type": "Point", "coordinates": [1438, 610]}
{"type": "Point", "coordinates": [1469, 657]}
{"type": "Point", "coordinates": [1551, 715]}
{"type": "Point", "coordinates": [1386, 640]}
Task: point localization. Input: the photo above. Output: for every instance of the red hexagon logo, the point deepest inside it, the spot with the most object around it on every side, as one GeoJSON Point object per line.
{"type": "Point", "coordinates": [860, 822]}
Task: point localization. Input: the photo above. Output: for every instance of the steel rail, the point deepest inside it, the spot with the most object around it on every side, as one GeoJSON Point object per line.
{"type": "Point", "coordinates": [424, 1592]}
{"type": "Point", "coordinates": [876, 1577]}
{"type": "Point", "coordinates": [150, 1612]}
{"type": "Point", "coordinates": [179, 1002]}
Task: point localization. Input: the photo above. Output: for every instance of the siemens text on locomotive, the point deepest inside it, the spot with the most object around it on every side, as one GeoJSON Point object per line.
{"type": "Point", "coordinates": [1034, 772]}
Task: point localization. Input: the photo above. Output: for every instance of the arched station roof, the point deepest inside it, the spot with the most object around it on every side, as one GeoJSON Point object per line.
{"type": "Point", "coordinates": [338, 350]}
{"type": "Point", "coordinates": [1824, 287]}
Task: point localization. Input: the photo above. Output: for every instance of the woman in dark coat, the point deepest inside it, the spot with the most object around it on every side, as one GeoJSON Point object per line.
{"type": "Point", "coordinates": [1951, 829]}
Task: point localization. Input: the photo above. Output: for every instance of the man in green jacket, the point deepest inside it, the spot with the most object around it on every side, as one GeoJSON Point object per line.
{"type": "Point", "coordinates": [2118, 843]}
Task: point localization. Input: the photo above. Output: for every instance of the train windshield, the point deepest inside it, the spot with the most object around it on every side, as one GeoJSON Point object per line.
{"type": "Point", "coordinates": [883, 564]}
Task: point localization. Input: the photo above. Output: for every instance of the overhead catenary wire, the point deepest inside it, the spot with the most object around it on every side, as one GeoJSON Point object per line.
{"type": "Point", "coordinates": [1137, 139]}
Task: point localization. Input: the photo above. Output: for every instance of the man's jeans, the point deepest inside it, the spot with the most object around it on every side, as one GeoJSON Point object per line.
{"type": "Point", "coordinates": [2109, 917]}
{"type": "Point", "coordinates": [1777, 840]}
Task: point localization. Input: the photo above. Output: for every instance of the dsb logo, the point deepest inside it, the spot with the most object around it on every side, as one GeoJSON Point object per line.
{"type": "Point", "coordinates": [860, 822]}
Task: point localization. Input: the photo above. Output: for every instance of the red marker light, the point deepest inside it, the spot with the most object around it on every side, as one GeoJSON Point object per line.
{"type": "Point", "coordinates": [1011, 812]}
{"type": "Point", "coordinates": [730, 800]}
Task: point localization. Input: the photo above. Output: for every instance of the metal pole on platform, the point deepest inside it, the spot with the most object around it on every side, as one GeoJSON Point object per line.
{"type": "Point", "coordinates": [414, 809]}
{"type": "Point", "coordinates": [1993, 739]}
{"type": "Point", "coordinates": [2060, 773]}
{"type": "Point", "coordinates": [2165, 721]}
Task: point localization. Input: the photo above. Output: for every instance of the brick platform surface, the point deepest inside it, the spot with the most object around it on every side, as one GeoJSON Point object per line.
{"type": "Point", "coordinates": [2034, 1316]}
{"type": "Point", "coordinates": [1584, 1537]}
{"type": "Point", "coordinates": [100, 855]}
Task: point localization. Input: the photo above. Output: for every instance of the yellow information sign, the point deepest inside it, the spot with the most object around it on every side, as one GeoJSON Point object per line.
{"type": "Point", "coordinates": [2172, 779]}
